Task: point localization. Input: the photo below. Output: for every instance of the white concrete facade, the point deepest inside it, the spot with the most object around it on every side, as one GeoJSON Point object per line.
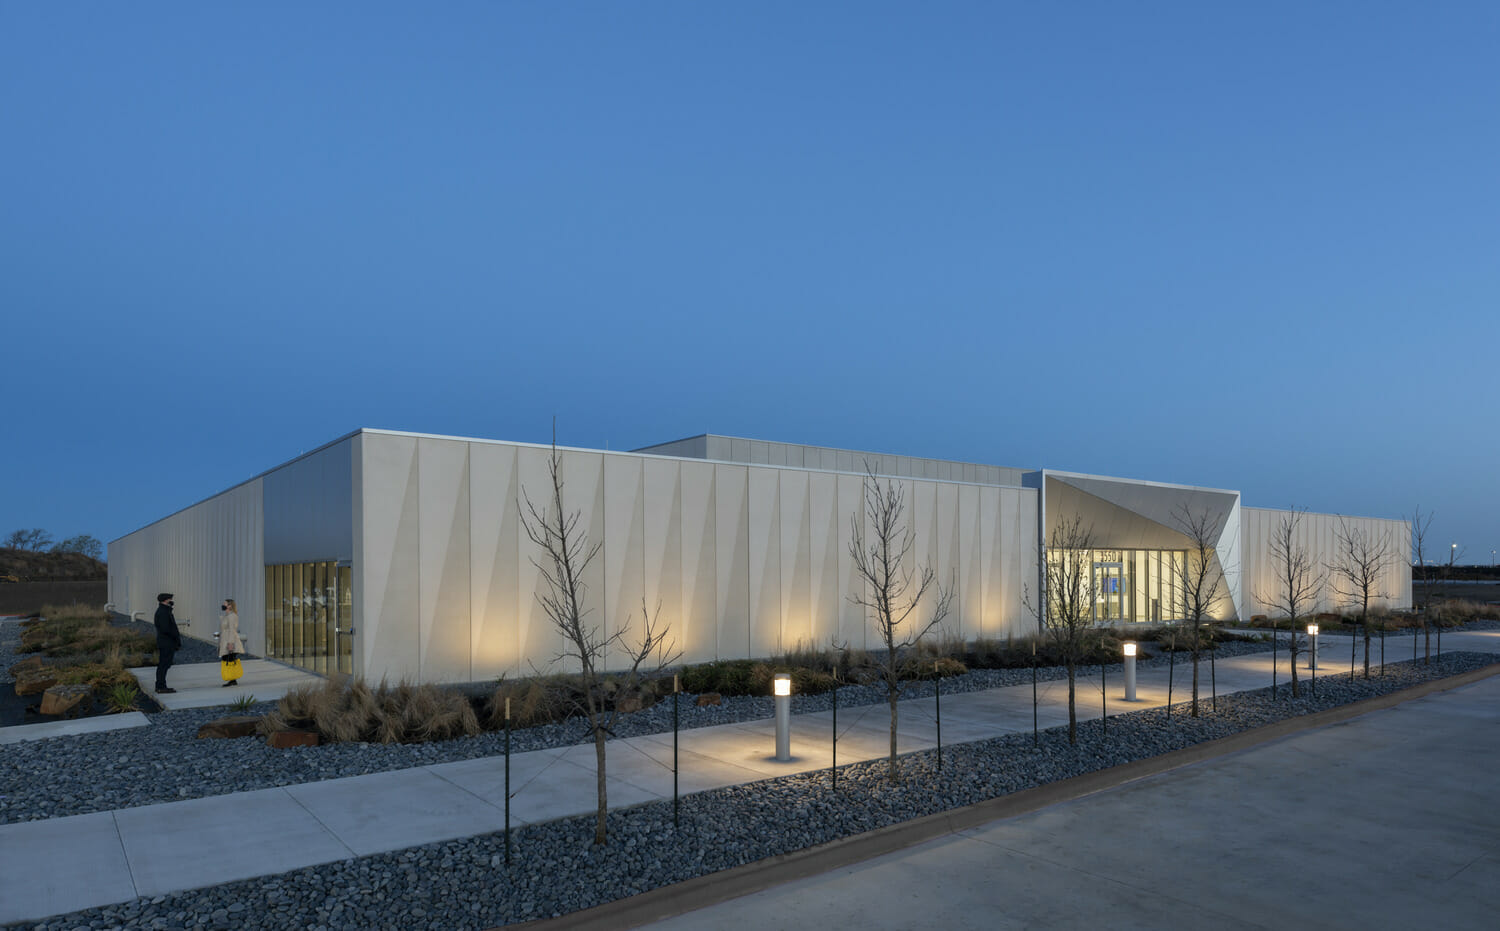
{"type": "Point", "coordinates": [744, 559]}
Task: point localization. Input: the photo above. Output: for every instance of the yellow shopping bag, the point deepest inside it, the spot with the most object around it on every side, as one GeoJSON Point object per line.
{"type": "Point", "coordinates": [231, 669]}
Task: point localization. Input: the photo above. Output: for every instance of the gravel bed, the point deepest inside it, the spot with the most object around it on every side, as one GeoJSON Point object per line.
{"type": "Point", "coordinates": [556, 869]}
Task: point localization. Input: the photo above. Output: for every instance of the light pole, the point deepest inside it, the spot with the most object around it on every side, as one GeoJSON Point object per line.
{"type": "Point", "coordinates": [783, 693]}
{"type": "Point", "coordinates": [1130, 670]}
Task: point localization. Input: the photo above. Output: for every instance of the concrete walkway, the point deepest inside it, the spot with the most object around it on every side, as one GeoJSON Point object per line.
{"type": "Point", "coordinates": [156, 849]}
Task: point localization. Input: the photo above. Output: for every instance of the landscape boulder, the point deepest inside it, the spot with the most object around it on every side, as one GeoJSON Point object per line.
{"type": "Point", "coordinates": [67, 700]}
{"type": "Point", "coordinates": [709, 698]}
{"type": "Point", "coordinates": [35, 681]}
{"type": "Point", "coordinates": [240, 725]}
{"type": "Point", "coordinates": [292, 737]}
{"type": "Point", "coordinates": [30, 662]}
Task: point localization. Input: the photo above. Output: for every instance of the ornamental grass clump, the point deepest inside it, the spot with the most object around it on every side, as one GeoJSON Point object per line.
{"type": "Point", "coordinates": [342, 711]}
{"type": "Point", "coordinates": [84, 634]}
{"type": "Point", "coordinates": [532, 702]}
{"type": "Point", "coordinates": [120, 697]}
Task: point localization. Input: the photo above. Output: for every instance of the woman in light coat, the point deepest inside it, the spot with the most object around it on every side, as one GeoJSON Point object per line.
{"type": "Point", "coordinates": [230, 644]}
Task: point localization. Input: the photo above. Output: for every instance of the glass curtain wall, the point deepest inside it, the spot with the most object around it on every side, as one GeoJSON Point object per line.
{"type": "Point", "coordinates": [1134, 586]}
{"type": "Point", "coordinates": [310, 614]}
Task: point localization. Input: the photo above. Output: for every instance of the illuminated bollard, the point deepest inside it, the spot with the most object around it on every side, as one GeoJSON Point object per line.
{"type": "Point", "coordinates": [1312, 646]}
{"type": "Point", "coordinates": [783, 692]}
{"type": "Point", "coordinates": [1130, 670]}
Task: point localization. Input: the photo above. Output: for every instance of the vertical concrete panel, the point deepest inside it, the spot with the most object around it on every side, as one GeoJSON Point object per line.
{"type": "Point", "coordinates": [968, 601]}
{"type": "Point", "coordinates": [662, 550]}
{"type": "Point", "coordinates": [854, 623]}
{"type": "Point", "coordinates": [795, 574]}
{"type": "Point", "coordinates": [494, 552]}
{"type": "Point", "coordinates": [445, 630]}
{"type": "Point", "coordinates": [583, 493]}
{"type": "Point", "coordinates": [623, 533]}
{"type": "Point", "coordinates": [732, 551]}
{"type": "Point", "coordinates": [824, 541]}
{"type": "Point", "coordinates": [765, 561]}
{"type": "Point", "coordinates": [698, 634]}
{"type": "Point", "coordinates": [949, 556]}
{"type": "Point", "coordinates": [537, 639]}
{"type": "Point", "coordinates": [390, 504]}
{"type": "Point", "coordinates": [1015, 562]}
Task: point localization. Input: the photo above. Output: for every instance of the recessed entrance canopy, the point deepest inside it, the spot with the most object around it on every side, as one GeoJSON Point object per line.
{"type": "Point", "coordinates": [1139, 533]}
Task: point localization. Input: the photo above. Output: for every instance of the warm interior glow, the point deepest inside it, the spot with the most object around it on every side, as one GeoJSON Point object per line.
{"type": "Point", "coordinates": [783, 683]}
{"type": "Point", "coordinates": [1129, 647]}
{"type": "Point", "coordinates": [1312, 630]}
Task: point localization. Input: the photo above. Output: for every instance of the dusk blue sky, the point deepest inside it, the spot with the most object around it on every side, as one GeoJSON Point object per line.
{"type": "Point", "coordinates": [1249, 246]}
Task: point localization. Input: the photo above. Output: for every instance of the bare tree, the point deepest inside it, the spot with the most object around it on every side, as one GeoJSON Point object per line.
{"type": "Point", "coordinates": [1419, 528]}
{"type": "Point", "coordinates": [1358, 571]}
{"type": "Point", "coordinates": [1198, 579]}
{"type": "Point", "coordinates": [893, 589]}
{"type": "Point", "coordinates": [1299, 579]}
{"type": "Point", "coordinates": [34, 540]}
{"type": "Point", "coordinates": [83, 544]}
{"type": "Point", "coordinates": [1071, 590]}
{"type": "Point", "coordinates": [566, 555]}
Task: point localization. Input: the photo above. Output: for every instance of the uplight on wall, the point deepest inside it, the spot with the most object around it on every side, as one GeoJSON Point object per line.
{"type": "Point", "coordinates": [1129, 670]}
{"type": "Point", "coordinates": [781, 687]}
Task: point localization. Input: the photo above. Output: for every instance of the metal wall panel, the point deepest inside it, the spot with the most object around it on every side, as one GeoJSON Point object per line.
{"type": "Point", "coordinates": [623, 556]}
{"type": "Point", "coordinates": [203, 554]}
{"type": "Point", "coordinates": [698, 635]}
{"type": "Point", "coordinates": [309, 507]}
{"type": "Point", "coordinates": [445, 632]}
{"type": "Point", "coordinates": [1319, 534]}
{"type": "Point", "coordinates": [388, 580]}
{"type": "Point", "coordinates": [495, 554]}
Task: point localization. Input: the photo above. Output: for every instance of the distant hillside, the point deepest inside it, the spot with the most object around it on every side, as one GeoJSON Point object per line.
{"type": "Point", "coordinates": [26, 566]}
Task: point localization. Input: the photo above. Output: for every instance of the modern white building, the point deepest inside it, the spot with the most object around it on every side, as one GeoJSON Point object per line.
{"type": "Point", "coordinates": [395, 555]}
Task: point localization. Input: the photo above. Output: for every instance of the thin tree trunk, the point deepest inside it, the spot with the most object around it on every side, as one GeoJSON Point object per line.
{"type": "Point", "coordinates": [1292, 652]}
{"type": "Point", "coordinates": [893, 775]}
{"type": "Point", "coordinates": [1171, 674]}
{"type": "Point", "coordinates": [1195, 674]}
{"type": "Point", "coordinates": [1275, 640]}
{"type": "Point", "coordinates": [1364, 622]}
{"type": "Point", "coordinates": [1072, 709]}
{"type": "Point", "coordinates": [599, 824]}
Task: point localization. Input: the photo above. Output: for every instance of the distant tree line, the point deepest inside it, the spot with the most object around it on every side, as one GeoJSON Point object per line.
{"type": "Point", "coordinates": [37, 540]}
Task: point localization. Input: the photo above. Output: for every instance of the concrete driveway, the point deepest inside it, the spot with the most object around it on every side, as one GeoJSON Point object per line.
{"type": "Point", "coordinates": [1388, 820]}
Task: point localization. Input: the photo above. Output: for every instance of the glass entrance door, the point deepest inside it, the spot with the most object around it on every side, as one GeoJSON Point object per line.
{"type": "Point", "coordinates": [1109, 591]}
{"type": "Point", "coordinates": [309, 613]}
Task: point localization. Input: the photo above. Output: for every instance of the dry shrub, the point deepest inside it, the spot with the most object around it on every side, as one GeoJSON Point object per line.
{"type": "Point", "coordinates": [342, 711]}
{"type": "Point", "coordinates": [1453, 611]}
{"type": "Point", "coordinates": [532, 702]}
{"type": "Point", "coordinates": [102, 677]}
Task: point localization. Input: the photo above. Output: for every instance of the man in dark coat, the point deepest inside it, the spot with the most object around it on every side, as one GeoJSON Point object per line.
{"type": "Point", "coordinates": [168, 641]}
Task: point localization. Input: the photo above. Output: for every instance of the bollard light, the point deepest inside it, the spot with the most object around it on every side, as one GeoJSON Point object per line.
{"type": "Point", "coordinates": [1130, 670]}
{"type": "Point", "coordinates": [1312, 646]}
{"type": "Point", "coordinates": [782, 689]}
